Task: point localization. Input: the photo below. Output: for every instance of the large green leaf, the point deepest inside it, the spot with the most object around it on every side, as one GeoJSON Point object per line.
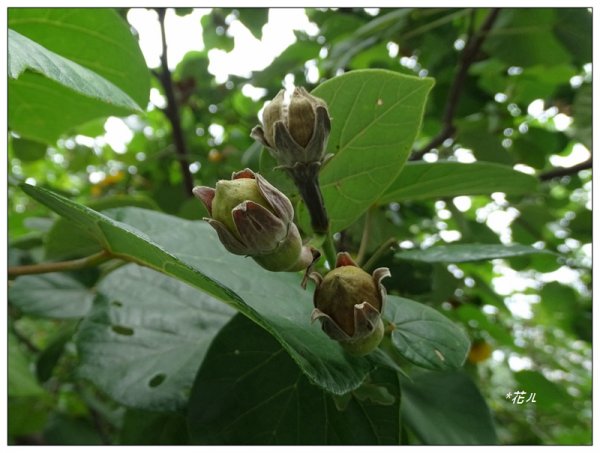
{"type": "Point", "coordinates": [421, 180]}
{"type": "Point", "coordinates": [248, 391]}
{"type": "Point", "coordinates": [446, 408]}
{"type": "Point", "coordinates": [25, 54]}
{"type": "Point", "coordinates": [94, 42]}
{"type": "Point", "coordinates": [95, 38]}
{"type": "Point", "coordinates": [151, 333]}
{"type": "Point", "coordinates": [424, 336]}
{"type": "Point", "coordinates": [463, 253]}
{"type": "Point", "coordinates": [376, 115]}
{"type": "Point", "coordinates": [53, 295]}
{"type": "Point", "coordinates": [190, 251]}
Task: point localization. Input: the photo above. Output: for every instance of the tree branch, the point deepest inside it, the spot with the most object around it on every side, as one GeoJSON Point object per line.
{"type": "Point", "coordinates": [61, 266]}
{"type": "Point", "coordinates": [466, 60]}
{"type": "Point", "coordinates": [172, 109]}
{"type": "Point", "coordinates": [558, 172]}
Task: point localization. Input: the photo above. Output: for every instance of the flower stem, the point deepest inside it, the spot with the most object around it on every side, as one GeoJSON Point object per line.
{"type": "Point", "coordinates": [61, 266]}
{"type": "Point", "coordinates": [364, 241]}
{"type": "Point", "coordinates": [329, 249]}
{"type": "Point", "coordinates": [379, 252]}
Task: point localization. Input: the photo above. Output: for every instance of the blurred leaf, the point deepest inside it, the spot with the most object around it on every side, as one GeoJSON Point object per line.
{"type": "Point", "coordinates": [152, 332]}
{"type": "Point", "coordinates": [381, 120]}
{"type": "Point", "coordinates": [462, 253]}
{"type": "Point", "coordinates": [249, 392]}
{"type": "Point", "coordinates": [446, 408]}
{"type": "Point", "coordinates": [549, 395]}
{"type": "Point", "coordinates": [534, 147]}
{"type": "Point", "coordinates": [196, 256]}
{"type": "Point", "coordinates": [54, 295]}
{"type": "Point", "coordinates": [524, 37]}
{"type": "Point", "coordinates": [21, 381]}
{"type": "Point", "coordinates": [28, 150]}
{"type": "Point", "coordinates": [424, 336]}
{"type": "Point", "coordinates": [421, 180]}
{"type": "Point", "coordinates": [475, 134]}
{"type": "Point", "coordinates": [582, 115]}
{"type": "Point", "coordinates": [49, 357]}
{"type": "Point", "coordinates": [65, 430]}
{"type": "Point", "coordinates": [574, 30]}
{"type": "Point", "coordinates": [26, 415]}
{"type": "Point", "coordinates": [254, 19]}
{"type": "Point", "coordinates": [153, 428]}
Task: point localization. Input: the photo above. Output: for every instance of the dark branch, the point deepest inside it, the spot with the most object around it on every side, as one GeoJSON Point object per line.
{"type": "Point", "coordinates": [466, 60]}
{"type": "Point", "coordinates": [172, 109]}
{"type": "Point", "coordinates": [559, 172]}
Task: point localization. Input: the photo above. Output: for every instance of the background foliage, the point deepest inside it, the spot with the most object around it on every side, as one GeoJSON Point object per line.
{"type": "Point", "coordinates": [487, 232]}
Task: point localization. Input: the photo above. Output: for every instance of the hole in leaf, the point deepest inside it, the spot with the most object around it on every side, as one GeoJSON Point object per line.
{"type": "Point", "coordinates": [116, 303]}
{"type": "Point", "coordinates": [122, 330]}
{"type": "Point", "coordinates": [157, 379]}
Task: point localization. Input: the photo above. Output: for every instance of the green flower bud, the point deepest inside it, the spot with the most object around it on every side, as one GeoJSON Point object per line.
{"type": "Point", "coordinates": [349, 302]}
{"type": "Point", "coordinates": [296, 132]}
{"type": "Point", "coordinates": [255, 219]}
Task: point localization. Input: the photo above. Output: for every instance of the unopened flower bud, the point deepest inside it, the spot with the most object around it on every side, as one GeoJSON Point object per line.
{"type": "Point", "coordinates": [255, 219]}
{"type": "Point", "coordinates": [296, 132]}
{"type": "Point", "coordinates": [349, 302]}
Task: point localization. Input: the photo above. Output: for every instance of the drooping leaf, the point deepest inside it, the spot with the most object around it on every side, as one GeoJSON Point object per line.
{"type": "Point", "coordinates": [424, 336]}
{"type": "Point", "coordinates": [25, 54]}
{"type": "Point", "coordinates": [90, 49]}
{"type": "Point", "coordinates": [376, 115]}
{"type": "Point", "coordinates": [53, 295]}
{"type": "Point", "coordinates": [464, 253]}
{"type": "Point", "coordinates": [421, 181]}
{"type": "Point", "coordinates": [152, 333]}
{"type": "Point", "coordinates": [191, 252]}
{"type": "Point", "coordinates": [110, 49]}
{"type": "Point", "coordinates": [446, 408]}
{"type": "Point", "coordinates": [248, 391]}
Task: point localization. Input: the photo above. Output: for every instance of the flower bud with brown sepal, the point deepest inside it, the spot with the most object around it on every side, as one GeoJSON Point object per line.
{"type": "Point", "coordinates": [253, 218]}
{"type": "Point", "coordinates": [349, 302]}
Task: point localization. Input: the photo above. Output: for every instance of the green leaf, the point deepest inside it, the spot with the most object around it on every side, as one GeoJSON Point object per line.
{"type": "Point", "coordinates": [152, 333]}
{"type": "Point", "coordinates": [191, 252]}
{"type": "Point", "coordinates": [21, 381]}
{"type": "Point", "coordinates": [464, 253]}
{"type": "Point", "coordinates": [248, 392]}
{"type": "Point", "coordinates": [153, 428]}
{"type": "Point", "coordinates": [446, 408]}
{"type": "Point", "coordinates": [421, 181]}
{"type": "Point", "coordinates": [254, 19]}
{"type": "Point", "coordinates": [98, 39]}
{"type": "Point", "coordinates": [53, 295]}
{"type": "Point", "coordinates": [94, 40]}
{"type": "Point", "coordinates": [25, 54]}
{"type": "Point", "coordinates": [549, 395]}
{"type": "Point", "coordinates": [476, 134]}
{"type": "Point", "coordinates": [28, 150]}
{"type": "Point", "coordinates": [376, 115]}
{"type": "Point", "coordinates": [66, 240]}
{"type": "Point", "coordinates": [524, 37]}
{"type": "Point", "coordinates": [424, 336]}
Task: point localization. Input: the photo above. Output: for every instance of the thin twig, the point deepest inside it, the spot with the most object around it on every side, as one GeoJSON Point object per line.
{"type": "Point", "coordinates": [172, 109]}
{"type": "Point", "coordinates": [61, 266]}
{"type": "Point", "coordinates": [466, 60]}
{"type": "Point", "coordinates": [379, 252]}
{"type": "Point", "coordinates": [366, 234]}
{"type": "Point", "coordinates": [559, 172]}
